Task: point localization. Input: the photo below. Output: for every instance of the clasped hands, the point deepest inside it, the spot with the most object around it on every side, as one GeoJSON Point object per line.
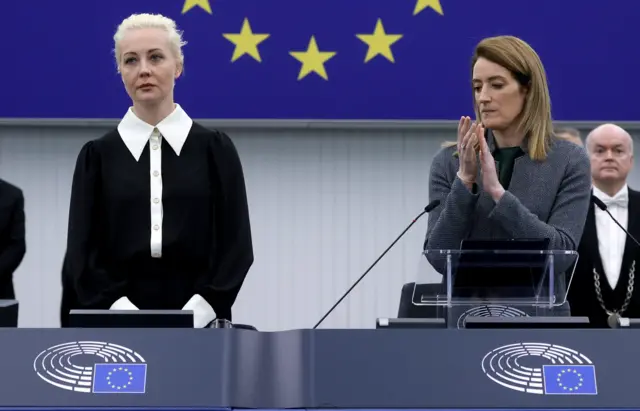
{"type": "Point", "coordinates": [473, 153]}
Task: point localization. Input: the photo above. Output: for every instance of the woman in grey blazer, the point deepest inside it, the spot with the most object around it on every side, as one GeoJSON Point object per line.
{"type": "Point", "coordinates": [507, 176]}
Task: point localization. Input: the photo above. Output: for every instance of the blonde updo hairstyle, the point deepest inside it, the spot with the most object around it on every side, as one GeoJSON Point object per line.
{"type": "Point", "coordinates": [144, 21]}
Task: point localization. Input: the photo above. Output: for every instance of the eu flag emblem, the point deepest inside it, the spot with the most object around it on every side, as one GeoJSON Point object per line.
{"type": "Point", "coordinates": [119, 378]}
{"type": "Point", "coordinates": [570, 379]}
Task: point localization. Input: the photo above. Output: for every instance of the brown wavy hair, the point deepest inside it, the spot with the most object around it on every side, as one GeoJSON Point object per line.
{"type": "Point", "coordinates": [524, 64]}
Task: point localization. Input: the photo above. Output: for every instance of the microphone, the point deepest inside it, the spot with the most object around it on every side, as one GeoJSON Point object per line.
{"type": "Point", "coordinates": [432, 205]}
{"type": "Point", "coordinates": [602, 206]}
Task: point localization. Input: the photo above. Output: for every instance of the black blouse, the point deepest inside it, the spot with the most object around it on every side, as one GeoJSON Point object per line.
{"type": "Point", "coordinates": [206, 235]}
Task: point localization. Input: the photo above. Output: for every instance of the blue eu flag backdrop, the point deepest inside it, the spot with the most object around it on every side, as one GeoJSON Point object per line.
{"type": "Point", "coordinates": [323, 59]}
{"type": "Point", "coordinates": [119, 378]}
{"type": "Point", "coordinates": [570, 379]}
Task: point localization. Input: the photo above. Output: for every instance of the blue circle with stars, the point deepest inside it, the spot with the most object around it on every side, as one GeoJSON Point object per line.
{"type": "Point", "coordinates": [570, 380]}
{"type": "Point", "coordinates": [119, 378]}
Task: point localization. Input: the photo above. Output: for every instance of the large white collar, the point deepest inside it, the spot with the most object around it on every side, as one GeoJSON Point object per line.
{"type": "Point", "coordinates": [136, 133]}
{"type": "Point", "coordinates": [621, 198]}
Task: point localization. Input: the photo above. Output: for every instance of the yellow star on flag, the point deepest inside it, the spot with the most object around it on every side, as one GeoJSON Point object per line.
{"type": "Point", "coordinates": [379, 42]}
{"type": "Point", "coordinates": [203, 4]}
{"type": "Point", "coordinates": [423, 4]}
{"type": "Point", "coordinates": [312, 60]}
{"type": "Point", "coordinates": [246, 42]}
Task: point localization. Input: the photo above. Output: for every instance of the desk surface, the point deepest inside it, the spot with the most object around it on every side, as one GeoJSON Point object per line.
{"type": "Point", "coordinates": [218, 368]}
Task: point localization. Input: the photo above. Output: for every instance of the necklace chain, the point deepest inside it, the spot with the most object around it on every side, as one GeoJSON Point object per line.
{"type": "Point", "coordinates": [627, 299]}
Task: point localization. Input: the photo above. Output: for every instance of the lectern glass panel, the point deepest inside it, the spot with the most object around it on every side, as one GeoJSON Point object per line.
{"type": "Point", "coordinates": [495, 282]}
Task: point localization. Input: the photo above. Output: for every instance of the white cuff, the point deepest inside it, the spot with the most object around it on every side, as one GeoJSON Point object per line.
{"type": "Point", "coordinates": [203, 313]}
{"type": "Point", "coordinates": [123, 304]}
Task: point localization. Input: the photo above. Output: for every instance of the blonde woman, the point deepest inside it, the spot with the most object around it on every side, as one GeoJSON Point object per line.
{"type": "Point", "coordinates": [158, 216]}
{"type": "Point", "coordinates": [507, 176]}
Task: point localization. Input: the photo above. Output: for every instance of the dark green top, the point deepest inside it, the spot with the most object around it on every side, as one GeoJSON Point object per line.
{"type": "Point", "coordinates": [505, 159]}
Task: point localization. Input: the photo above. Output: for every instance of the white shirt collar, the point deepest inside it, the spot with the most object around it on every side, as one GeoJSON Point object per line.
{"type": "Point", "coordinates": [622, 194]}
{"type": "Point", "coordinates": [136, 133]}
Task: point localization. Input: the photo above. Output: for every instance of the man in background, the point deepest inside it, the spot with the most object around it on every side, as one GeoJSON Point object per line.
{"type": "Point", "coordinates": [570, 134]}
{"type": "Point", "coordinates": [12, 236]}
{"type": "Point", "coordinates": [603, 286]}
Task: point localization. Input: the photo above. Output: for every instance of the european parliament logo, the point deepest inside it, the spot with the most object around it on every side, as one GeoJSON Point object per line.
{"type": "Point", "coordinates": [541, 368]}
{"type": "Point", "coordinates": [92, 367]}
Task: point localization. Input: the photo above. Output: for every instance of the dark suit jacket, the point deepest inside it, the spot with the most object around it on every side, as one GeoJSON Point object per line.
{"type": "Point", "coordinates": [12, 236]}
{"type": "Point", "coordinates": [582, 294]}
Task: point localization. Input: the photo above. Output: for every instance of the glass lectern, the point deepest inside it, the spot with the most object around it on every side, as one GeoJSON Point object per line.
{"type": "Point", "coordinates": [495, 283]}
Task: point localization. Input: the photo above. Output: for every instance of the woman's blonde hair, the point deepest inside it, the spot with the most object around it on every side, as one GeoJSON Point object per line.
{"type": "Point", "coordinates": [157, 21]}
{"type": "Point", "coordinates": [524, 64]}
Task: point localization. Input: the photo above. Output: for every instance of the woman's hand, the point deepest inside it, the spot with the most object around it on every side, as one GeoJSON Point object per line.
{"type": "Point", "coordinates": [467, 150]}
{"type": "Point", "coordinates": [490, 182]}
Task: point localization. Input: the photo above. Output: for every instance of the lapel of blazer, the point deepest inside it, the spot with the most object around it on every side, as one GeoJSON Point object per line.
{"type": "Point", "coordinates": [590, 238]}
{"type": "Point", "coordinates": [633, 226]}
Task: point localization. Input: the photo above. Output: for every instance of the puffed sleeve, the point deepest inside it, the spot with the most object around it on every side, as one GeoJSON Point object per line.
{"type": "Point", "coordinates": [84, 265]}
{"type": "Point", "coordinates": [232, 248]}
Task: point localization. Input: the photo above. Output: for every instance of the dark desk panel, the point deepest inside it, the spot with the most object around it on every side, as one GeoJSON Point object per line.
{"type": "Point", "coordinates": [443, 368]}
{"type": "Point", "coordinates": [184, 369]}
{"type": "Point", "coordinates": [227, 368]}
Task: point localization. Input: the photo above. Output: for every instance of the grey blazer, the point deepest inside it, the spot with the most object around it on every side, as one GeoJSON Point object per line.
{"type": "Point", "coordinates": [545, 199]}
